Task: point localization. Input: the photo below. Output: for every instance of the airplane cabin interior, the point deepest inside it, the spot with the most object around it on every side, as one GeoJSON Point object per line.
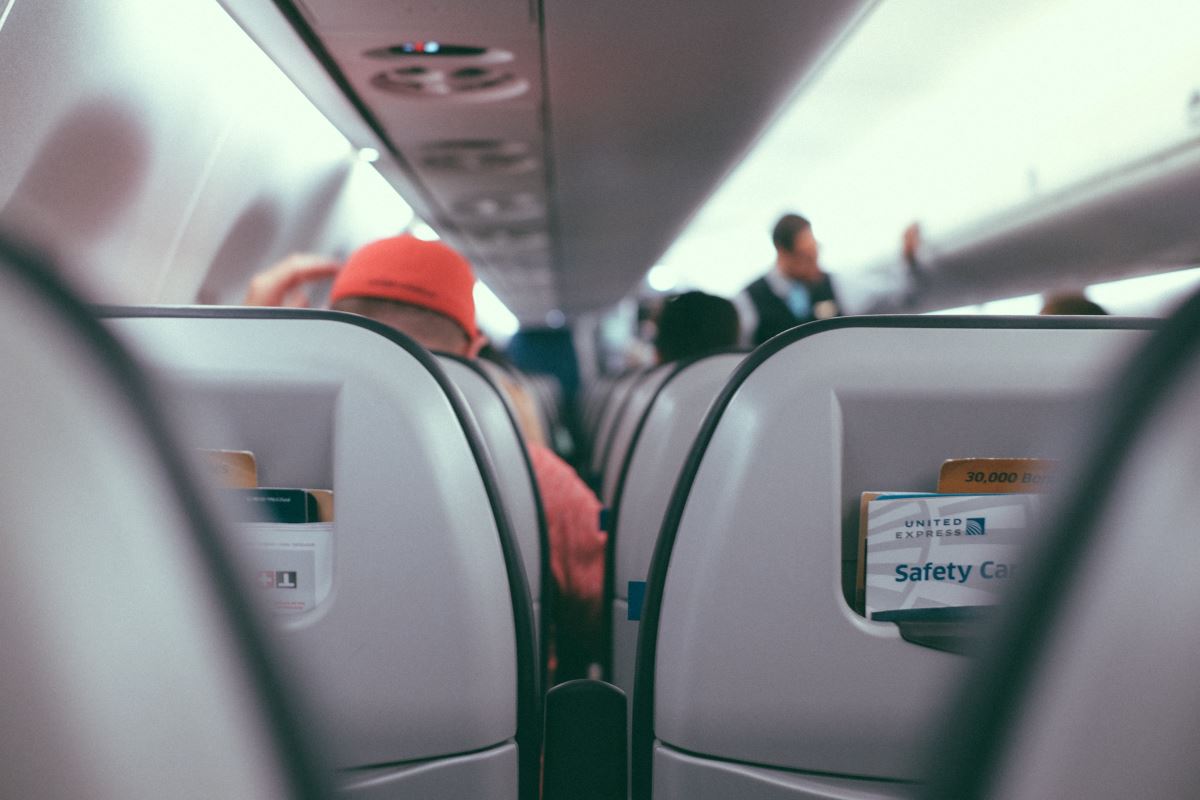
{"type": "Point", "coordinates": [927, 539]}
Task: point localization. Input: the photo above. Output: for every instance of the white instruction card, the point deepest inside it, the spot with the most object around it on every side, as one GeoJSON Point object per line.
{"type": "Point", "coordinates": [291, 563]}
{"type": "Point", "coordinates": [939, 550]}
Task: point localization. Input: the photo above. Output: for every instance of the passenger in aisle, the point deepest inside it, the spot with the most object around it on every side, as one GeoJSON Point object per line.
{"type": "Point", "coordinates": [794, 291]}
{"type": "Point", "coordinates": [426, 291]}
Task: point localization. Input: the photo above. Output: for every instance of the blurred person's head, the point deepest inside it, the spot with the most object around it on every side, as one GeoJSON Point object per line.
{"type": "Point", "coordinates": [694, 323]}
{"type": "Point", "coordinates": [796, 248]}
{"type": "Point", "coordinates": [422, 289]}
{"type": "Point", "coordinates": [1067, 303]}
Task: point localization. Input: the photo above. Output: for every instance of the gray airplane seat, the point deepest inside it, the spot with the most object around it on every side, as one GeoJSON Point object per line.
{"type": "Point", "coordinates": [593, 403]}
{"type": "Point", "coordinates": [515, 478]}
{"type": "Point", "coordinates": [522, 404]}
{"type": "Point", "coordinates": [133, 665]}
{"type": "Point", "coordinates": [625, 425]}
{"type": "Point", "coordinates": [1090, 687]}
{"type": "Point", "coordinates": [658, 446]}
{"type": "Point", "coordinates": [418, 638]}
{"type": "Point", "coordinates": [549, 394]}
{"type": "Point", "coordinates": [757, 676]}
{"type": "Point", "coordinates": [614, 404]}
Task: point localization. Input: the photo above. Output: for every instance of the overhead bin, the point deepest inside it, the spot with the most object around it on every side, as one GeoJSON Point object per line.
{"type": "Point", "coordinates": [133, 664]}
{"type": "Point", "coordinates": [1136, 219]}
{"type": "Point", "coordinates": [756, 675]}
{"type": "Point", "coordinates": [421, 659]}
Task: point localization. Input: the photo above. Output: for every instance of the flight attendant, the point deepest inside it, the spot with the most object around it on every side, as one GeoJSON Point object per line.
{"type": "Point", "coordinates": [793, 292]}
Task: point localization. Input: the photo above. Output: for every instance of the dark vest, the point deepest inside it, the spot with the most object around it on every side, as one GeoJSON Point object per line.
{"type": "Point", "coordinates": [773, 314]}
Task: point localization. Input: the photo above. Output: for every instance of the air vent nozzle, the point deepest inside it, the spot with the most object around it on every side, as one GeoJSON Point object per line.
{"type": "Point", "coordinates": [444, 72]}
{"type": "Point", "coordinates": [479, 156]}
{"type": "Point", "coordinates": [510, 241]}
{"type": "Point", "coordinates": [485, 208]}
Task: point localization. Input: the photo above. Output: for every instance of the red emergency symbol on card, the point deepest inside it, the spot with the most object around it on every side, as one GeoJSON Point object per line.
{"type": "Point", "coordinates": [266, 580]}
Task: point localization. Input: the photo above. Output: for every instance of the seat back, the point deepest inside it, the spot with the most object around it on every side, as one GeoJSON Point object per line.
{"type": "Point", "coordinates": [594, 399]}
{"type": "Point", "coordinates": [1089, 690]}
{"type": "Point", "coordinates": [614, 404]}
{"type": "Point", "coordinates": [549, 393]}
{"type": "Point", "coordinates": [133, 665]}
{"type": "Point", "coordinates": [626, 424]}
{"type": "Point", "coordinates": [422, 654]}
{"type": "Point", "coordinates": [513, 470]}
{"type": "Point", "coordinates": [522, 405]}
{"type": "Point", "coordinates": [656, 453]}
{"type": "Point", "coordinates": [750, 652]}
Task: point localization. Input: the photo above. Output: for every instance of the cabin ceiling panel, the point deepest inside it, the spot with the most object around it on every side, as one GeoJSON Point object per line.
{"type": "Point", "coordinates": [483, 171]}
{"type": "Point", "coordinates": [522, 280]}
{"type": "Point", "coordinates": [478, 155]}
{"type": "Point", "coordinates": [651, 105]}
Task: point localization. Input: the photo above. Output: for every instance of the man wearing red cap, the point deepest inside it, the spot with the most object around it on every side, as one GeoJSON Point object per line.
{"type": "Point", "coordinates": [426, 291]}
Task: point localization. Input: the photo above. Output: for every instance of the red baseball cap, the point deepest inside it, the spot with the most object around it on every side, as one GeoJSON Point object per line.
{"type": "Point", "coordinates": [413, 271]}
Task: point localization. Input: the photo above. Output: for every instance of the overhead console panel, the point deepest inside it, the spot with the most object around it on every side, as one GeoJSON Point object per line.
{"type": "Point", "coordinates": [457, 89]}
{"type": "Point", "coordinates": [563, 145]}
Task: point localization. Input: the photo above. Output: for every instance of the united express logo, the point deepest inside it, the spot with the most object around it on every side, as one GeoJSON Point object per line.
{"type": "Point", "coordinates": [976, 526]}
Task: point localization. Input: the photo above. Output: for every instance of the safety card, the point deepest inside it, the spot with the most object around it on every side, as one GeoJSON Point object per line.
{"type": "Point", "coordinates": [939, 550]}
{"type": "Point", "coordinates": [291, 564]}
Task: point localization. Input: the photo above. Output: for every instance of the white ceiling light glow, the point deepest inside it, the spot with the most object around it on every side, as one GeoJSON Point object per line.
{"type": "Point", "coordinates": [663, 277]}
{"type": "Point", "coordinates": [424, 232]}
{"type": "Point", "coordinates": [1150, 295]}
{"type": "Point", "coordinates": [495, 319]}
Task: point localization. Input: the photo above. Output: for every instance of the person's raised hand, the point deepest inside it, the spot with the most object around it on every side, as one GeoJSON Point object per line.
{"type": "Point", "coordinates": [911, 242]}
{"type": "Point", "coordinates": [283, 284]}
